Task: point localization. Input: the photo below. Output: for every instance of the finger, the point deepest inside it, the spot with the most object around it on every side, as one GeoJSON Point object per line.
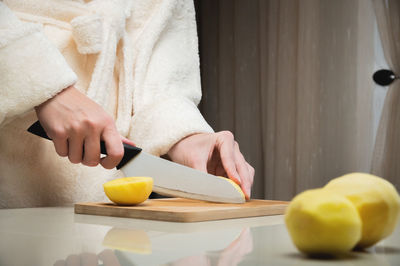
{"type": "Point", "coordinates": [251, 180]}
{"type": "Point", "coordinates": [89, 259]}
{"type": "Point", "coordinates": [61, 146]}
{"type": "Point", "coordinates": [214, 165]}
{"type": "Point", "coordinates": [60, 140]}
{"type": "Point", "coordinates": [226, 149]}
{"type": "Point", "coordinates": [201, 166]}
{"type": "Point", "coordinates": [75, 149]}
{"type": "Point", "coordinates": [128, 141]}
{"type": "Point", "coordinates": [243, 170]}
{"type": "Point", "coordinates": [91, 156]}
{"type": "Point", "coordinates": [114, 147]}
{"type": "Point", "coordinates": [197, 162]}
{"type": "Point", "coordinates": [251, 171]}
{"type": "Point", "coordinates": [73, 260]}
{"type": "Point", "coordinates": [108, 257]}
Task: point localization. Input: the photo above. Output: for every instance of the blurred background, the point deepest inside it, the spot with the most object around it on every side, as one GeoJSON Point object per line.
{"type": "Point", "coordinates": [292, 79]}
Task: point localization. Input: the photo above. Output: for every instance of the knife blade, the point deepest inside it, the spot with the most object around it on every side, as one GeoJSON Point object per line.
{"type": "Point", "coordinates": [170, 179]}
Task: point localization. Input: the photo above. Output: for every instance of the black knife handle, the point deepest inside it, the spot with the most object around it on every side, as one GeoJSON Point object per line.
{"type": "Point", "coordinates": [129, 151]}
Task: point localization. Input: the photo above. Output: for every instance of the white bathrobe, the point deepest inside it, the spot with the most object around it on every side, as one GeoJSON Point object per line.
{"type": "Point", "coordinates": [136, 58]}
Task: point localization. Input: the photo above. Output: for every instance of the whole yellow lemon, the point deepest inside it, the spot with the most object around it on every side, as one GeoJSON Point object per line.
{"type": "Point", "coordinates": [377, 203]}
{"type": "Point", "coordinates": [128, 190]}
{"type": "Point", "coordinates": [323, 222]}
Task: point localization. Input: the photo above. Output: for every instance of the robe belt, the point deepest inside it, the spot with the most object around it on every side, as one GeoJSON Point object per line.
{"type": "Point", "coordinates": [99, 33]}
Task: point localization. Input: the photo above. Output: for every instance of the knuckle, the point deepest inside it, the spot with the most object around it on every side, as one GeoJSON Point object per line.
{"type": "Point", "coordinates": [252, 178]}
{"type": "Point", "coordinates": [91, 125]}
{"type": "Point", "coordinates": [227, 134]}
{"type": "Point", "coordinates": [251, 168]}
{"type": "Point", "coordinates": [107, 121]}
{"type": "Point", "coordinates": [58, 133]}
{"type": "Point", "coordinates": [111, 131]}
{"type": "Point", "coordinates": [75, 127]}
{"type": "Point", "coordinates": [236, 145]}
{"type": "Point", "coordinates": [116, 154]}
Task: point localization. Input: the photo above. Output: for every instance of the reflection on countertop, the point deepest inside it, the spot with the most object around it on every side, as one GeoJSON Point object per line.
{"type": "Point", "coordinates": [130, 240]}
{"type": "Point", "coordinates": [133, 247]}
{"type": "Point", "coordinates": [57, 236]}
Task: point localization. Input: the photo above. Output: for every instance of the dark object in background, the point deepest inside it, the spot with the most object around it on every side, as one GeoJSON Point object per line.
{"type": "Point", "coordinates": [384, 77]}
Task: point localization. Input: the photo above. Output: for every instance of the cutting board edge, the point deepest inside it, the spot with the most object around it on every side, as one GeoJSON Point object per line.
{"type": "Point", "coordinates": [233, 214]}
{"type": "Point", "coordinates": [183, 217]}
{"type": "Point", "coordinates": [235, 211]}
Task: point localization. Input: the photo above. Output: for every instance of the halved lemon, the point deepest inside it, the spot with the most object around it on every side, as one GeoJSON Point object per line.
{"type": "Point", "coordinates": [129, 190]}
{"type": "Point", "coordinates": [236, 186]}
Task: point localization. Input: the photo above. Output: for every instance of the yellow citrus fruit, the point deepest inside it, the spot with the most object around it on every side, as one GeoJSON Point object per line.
{"type": "Point", "coordinates": [236, 186]}
{"type": "Point", "coordinates": [377, 203]}
{"type": "Point", "coordinates": [128, 190]}
{"type": "Point", "coordinates": [323, 222]}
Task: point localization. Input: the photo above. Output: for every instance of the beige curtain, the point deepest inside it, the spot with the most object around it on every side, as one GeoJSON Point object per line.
{"type": "Point", "coordinates": [292, 80]}
{"type": "Point", "coordinates": [386, 160]}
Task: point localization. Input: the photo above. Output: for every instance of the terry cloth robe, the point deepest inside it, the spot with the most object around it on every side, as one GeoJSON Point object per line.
{"type": "Point", "coordinates": [138, 59]}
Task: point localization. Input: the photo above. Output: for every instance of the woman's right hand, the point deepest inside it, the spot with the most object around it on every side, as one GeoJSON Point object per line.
{"type": "Point", "coordinates": [76, 124]}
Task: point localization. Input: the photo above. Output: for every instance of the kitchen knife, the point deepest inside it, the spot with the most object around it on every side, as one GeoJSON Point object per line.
{"type": "Point", "coordinates": [170, 179]}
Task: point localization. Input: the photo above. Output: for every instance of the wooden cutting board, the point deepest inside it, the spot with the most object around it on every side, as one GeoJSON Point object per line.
{"type": "Point", "coordinates": [184, 210]}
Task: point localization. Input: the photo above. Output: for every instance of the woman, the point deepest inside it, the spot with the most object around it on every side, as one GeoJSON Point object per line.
{"type": "Point", "coordinates": [100, 70]}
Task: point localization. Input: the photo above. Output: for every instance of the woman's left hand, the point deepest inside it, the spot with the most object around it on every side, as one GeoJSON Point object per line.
{"type": "Point", "coordinates": [217, 154]}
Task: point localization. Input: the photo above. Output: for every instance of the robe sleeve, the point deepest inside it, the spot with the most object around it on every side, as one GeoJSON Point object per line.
{"type": "Point", "coordinates": [167, 78]}
{"type": "Point", "coordinates": [32, 70]}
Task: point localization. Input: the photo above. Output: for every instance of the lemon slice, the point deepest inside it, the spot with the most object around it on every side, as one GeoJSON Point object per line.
{"type": "Point", "coordinates": [236, 186]}
{"type": "Point", "coordinates": [129, 190]}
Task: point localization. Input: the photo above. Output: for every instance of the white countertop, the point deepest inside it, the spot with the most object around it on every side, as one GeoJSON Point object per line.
{"type": "Point", "coordinates": [57, 236]}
